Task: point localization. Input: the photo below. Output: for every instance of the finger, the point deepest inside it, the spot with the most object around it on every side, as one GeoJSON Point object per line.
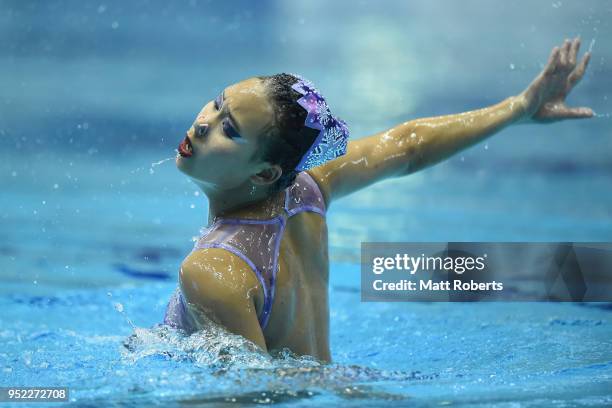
{"type": "Point", "coordinates": [573, 53]}
{"type": "Point", "coordinates": [553, 60]}
{"type": "Point", "coordinates": [579, 113]}
{"type": "Point", "coordinates": [578, 73]}
{"type": "Point", "coordinates": [564, 51]}
{"type": "Point", "coordinates": [571, 113]}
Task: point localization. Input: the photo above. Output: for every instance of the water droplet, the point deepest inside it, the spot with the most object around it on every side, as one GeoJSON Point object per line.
{"type": "Point", "coordinates": [151, 171]}
{"type": "Point", "coordinates": [512, 66]}
{"type": "Point", "coordinates": [118, 307]}
{"type": "Point", "coordinates": [592, 45]}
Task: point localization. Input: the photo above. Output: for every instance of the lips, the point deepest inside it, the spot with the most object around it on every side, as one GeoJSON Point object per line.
{"type": "Point", "coordinates": [185, 148]}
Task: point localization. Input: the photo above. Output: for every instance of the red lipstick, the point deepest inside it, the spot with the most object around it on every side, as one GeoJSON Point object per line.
{"type": "Point", "coordinates": [185, 149]}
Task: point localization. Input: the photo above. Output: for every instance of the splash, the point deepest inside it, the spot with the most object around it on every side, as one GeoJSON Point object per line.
{"type": "Point", "coordinates": [151, 171]}
{"type": "Point", "coordinates": [232, 358]}
{"type": "Point", "coordinates": [118, 306]}
{"type": "Point", "coordinates": [154, 164]}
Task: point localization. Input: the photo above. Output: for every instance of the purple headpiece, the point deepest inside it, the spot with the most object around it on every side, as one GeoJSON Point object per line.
{"type": "Point", "coordinates": [333, 132]}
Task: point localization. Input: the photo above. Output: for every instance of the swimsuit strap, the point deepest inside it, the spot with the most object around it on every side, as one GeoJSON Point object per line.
{"type": "Point", "coordinates": [304, 195]}
{"type": "Point", "coordinates": [257, 243]}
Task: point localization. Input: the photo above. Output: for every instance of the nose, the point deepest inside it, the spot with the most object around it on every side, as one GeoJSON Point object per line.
{"type": "Point", "coordinates": [201, 130]}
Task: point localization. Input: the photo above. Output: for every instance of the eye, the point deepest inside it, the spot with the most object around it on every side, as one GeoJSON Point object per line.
{"type": "Point", "coordinates": [229, 130]}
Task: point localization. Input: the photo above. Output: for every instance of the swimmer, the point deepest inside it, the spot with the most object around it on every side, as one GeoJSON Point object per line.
{"type": "Point", "coordinates": [271, 159]}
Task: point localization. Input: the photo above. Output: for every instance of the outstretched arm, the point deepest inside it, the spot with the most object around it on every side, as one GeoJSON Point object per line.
{"type": "Point", "coordinates": [416, 144]}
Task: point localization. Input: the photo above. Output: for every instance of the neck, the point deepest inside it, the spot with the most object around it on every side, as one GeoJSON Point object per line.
{"type": "Point", "coordinates": [236, 201]}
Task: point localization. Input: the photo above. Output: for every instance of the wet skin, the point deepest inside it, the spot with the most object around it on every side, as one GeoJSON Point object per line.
{"type": "Point", "coordinates": [220, 286]}
{"type": "Point", "coordinates": [217, 284]}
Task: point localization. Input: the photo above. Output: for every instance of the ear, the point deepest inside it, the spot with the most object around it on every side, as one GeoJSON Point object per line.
{"type": "Point", "coordinates": [267, 176]}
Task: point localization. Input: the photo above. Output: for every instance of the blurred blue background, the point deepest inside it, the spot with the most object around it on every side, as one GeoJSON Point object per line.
{"type": "Point", "coordinates": [94, 95]}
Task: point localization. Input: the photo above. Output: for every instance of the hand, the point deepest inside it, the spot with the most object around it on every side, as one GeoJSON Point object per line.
{"type": "Point", "coordinates": [544, 98]}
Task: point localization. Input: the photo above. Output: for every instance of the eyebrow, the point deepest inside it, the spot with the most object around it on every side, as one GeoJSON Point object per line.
{"type": "Point", "coordinates": [229, 113]}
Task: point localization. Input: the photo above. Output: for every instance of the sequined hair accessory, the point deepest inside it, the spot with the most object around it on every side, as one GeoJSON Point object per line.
{"type": "Point", "coordinates": [333, 132]}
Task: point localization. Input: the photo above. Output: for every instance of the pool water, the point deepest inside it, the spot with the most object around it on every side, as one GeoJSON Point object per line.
{"type": "Point", "coordinates": [95, 219]}
{"type": "Point", "coordinates": [105, 345]}
{"type": "Point", "coordinates": [87, 275]}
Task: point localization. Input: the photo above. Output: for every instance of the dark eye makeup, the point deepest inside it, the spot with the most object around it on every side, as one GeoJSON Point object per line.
{"type": "Point", "coordinates": [227, 126]}
{"type": "Point", "coordinates": [229, 129]}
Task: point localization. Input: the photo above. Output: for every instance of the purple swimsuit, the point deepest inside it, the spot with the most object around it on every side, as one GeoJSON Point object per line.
{"type": "Point", "coordinates": [257, 242]}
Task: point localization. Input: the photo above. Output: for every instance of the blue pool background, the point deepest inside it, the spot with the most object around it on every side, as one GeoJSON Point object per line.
{"type": "Point", "coordinates": [92, 229]}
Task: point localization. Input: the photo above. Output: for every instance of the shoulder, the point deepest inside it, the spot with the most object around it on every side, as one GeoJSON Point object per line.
{"type": "Point", "coordinates": [319, 178]}
{"type": "Point", "coordinates": [219, 286]}
{"type": "Point", "coordinates": [216, 274]}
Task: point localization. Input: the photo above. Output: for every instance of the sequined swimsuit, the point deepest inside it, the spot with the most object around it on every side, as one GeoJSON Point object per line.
{"type": "Point", "coordinates": [257, 242]}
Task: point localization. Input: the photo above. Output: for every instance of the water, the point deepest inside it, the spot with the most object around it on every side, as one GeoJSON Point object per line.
{"type": "Point", "coordinates": [421, 354]}
{"type": "Point", "coordinates": [155, 164]}
{"type": "Point", "coordinates": [95, 218]}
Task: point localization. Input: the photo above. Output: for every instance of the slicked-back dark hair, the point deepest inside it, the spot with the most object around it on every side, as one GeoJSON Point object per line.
{"type": "Point", "coordinates": [290, 140]}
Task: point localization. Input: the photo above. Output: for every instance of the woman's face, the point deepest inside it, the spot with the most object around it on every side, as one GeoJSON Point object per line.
{"type": "Point", "coordinates": [225, 135]}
